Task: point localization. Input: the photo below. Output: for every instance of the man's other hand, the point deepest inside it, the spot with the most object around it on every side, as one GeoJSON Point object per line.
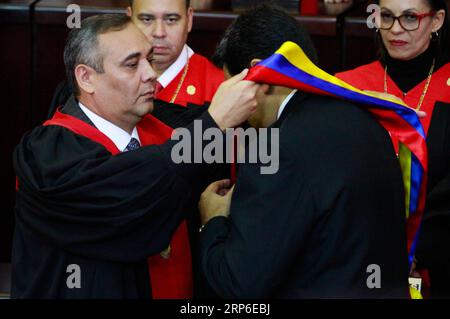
{"type": "Point", "coordinates": [215, 200]}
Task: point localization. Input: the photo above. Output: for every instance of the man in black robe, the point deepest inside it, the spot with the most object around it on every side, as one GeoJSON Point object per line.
{"type": "Point", "coordinates": [92, 204]}
{"type": "Point", "coordinates": [331, 222]}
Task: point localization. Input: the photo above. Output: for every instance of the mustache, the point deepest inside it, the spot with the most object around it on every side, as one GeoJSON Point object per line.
{"type": "Point", "coordinates": [160, 43]}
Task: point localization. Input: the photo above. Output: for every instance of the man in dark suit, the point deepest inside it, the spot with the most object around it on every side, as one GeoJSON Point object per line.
{"type": "Point", "coordinates": [331, 222]}
{"type": "Point", "coordinates": [92, 204]}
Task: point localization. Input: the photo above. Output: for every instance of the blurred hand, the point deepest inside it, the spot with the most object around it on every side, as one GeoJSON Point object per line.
{"type": "Point", "coordinates": [383, 95]}
{"type": "Point", "coordinates": [234, 101]}
{"type": "Point", "coordinates": [215, 200]}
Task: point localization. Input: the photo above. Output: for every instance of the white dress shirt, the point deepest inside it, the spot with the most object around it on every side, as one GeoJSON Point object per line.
{"type": "Point", "coordinates": [120, 137]}
{"type": "Point", "coordinates": [176, 67]}
{"type": "Point", "coordinates": [285, 102]}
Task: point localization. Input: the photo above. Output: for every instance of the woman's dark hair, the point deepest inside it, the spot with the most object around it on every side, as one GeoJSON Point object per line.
{"type": "Point", "coordinates": [441, 42]}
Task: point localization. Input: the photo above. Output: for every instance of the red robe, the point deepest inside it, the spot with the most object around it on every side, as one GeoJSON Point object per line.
{"type": "Point", "coordinates": [171, 278]}
{"type": "Point", "coordinates": [371, 77]}
{"type": "Point", "coordinates": [199, 85]}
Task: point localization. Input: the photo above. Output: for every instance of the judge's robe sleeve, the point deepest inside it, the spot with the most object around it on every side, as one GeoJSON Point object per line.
{"type": "Point", "coordinates": [247, 254]}
{"type": "Point", "coordinates": [74, 194]}
{"type": "Point", "coordinates": [175, 115]}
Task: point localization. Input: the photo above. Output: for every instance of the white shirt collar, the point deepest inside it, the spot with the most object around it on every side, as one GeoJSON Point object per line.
{"type": "Point", "coordinates": [176, 67]}
{"type": "Point", "coordinates": [285, 102]}
{"type": "Point", "coordinates": [120, 137]}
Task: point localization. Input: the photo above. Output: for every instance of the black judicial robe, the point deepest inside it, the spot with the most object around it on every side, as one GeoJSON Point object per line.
{"type": "Point", "coordinates": [175, 116]}
{"type": "Point", "coordinates": [78, 205]}
{"type": "Point", "coordinates": [312, 230]}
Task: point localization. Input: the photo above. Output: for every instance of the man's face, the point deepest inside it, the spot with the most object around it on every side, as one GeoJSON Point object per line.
{"type": "Point", "coordinates": [124, 92]}
{"type": "Point", "coordinates": [166, 24]}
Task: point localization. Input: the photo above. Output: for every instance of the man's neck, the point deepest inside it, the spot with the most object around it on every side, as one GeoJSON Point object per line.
{"type": "Point", "coordinates": [125, 124]}
{"type": "Point", "coordinates": [285, 97]}
{"type": "Point", "coordinates": [274, 102]}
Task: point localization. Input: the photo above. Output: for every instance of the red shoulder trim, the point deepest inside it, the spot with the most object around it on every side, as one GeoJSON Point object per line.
{"type": "Point", "coordinates": [83, 129]}
{"type": "Point", "coordinates": [441, 84]}
{"type": "Point", "coordinates": [152, 131]}
{"type": "Point", "coordinates": [369, 76]}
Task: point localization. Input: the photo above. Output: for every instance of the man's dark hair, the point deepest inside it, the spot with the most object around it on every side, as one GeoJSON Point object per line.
{"type": "Point", "coordinates": [188, 3]}
{"type": "Point", "coordinates": [257, 34]}
{"type": "Point", "coordinates": [82, 45]}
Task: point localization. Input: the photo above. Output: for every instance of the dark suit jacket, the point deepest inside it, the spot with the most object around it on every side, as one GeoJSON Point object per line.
{"type": "Point", "coordinates": [315, 228]}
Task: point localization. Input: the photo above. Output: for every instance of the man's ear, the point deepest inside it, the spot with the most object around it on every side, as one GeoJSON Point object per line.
{"type": "Point", "coordinates": [84, 75]}
{"type": "Point", "coordinates": [265, 88]}
{"type": "Point", "coordinates": [190, 16]}
{"type": "Point", "coordinates": [129, 12]}
{"type": "Point", "coordinates": [255, 62]}
{"type": "Point", "coordinates": [226, 72]}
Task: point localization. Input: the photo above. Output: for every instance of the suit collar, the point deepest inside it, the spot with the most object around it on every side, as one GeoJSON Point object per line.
{"type": "Point", "coordinates": [293, 102]}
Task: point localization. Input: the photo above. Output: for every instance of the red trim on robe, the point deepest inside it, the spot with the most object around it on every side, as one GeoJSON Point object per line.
{"type": "Point", "coordinates": [82, 128]}
{"type": "Point", "coordinates": [170, 278]}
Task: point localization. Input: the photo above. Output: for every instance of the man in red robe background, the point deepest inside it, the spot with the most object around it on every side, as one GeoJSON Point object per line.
{"type": "Point", "coordinates": [184, 77]}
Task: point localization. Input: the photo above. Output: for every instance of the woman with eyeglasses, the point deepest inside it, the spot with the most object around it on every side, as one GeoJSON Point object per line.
{"type": "Point", "coordinates": [414, 65]}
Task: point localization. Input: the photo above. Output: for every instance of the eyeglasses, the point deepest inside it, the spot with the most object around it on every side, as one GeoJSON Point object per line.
{"type": "Point", "coordinates": [408, 21]}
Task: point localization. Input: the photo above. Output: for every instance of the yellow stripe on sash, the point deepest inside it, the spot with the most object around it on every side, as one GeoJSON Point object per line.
{"type": "Point", "coordinates": [404, 155]}
{"type": "Point", "coordinates": [295, 55]}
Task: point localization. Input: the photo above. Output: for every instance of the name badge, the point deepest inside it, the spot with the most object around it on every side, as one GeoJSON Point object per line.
{"type": "Point", "coordinates": [415, 283]}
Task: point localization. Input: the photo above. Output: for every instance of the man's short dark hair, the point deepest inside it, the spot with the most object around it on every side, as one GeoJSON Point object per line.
{"type": "Point", "coordinates": [257, 34]}
{"type": "Point", "coordinates": [188, 3]}
{"type": "Point", "coordinates": [82, 45]}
